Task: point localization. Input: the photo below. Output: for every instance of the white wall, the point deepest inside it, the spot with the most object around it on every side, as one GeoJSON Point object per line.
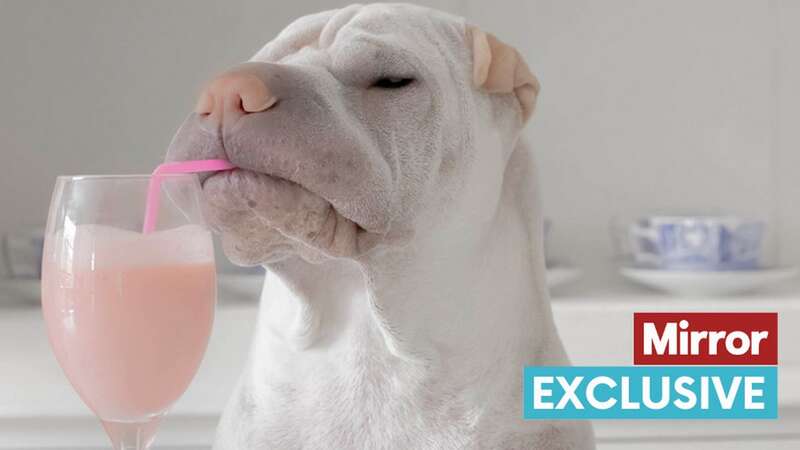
{"type": "Point", "coordinates": [646, 106]}
{"type": "Point", "coordinates": [787, 126]}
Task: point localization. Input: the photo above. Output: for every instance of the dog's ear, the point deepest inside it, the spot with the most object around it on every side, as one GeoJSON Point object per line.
{"type": "Point", "coordinates": [498, 68]}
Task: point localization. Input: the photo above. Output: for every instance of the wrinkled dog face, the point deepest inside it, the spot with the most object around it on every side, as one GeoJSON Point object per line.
{"type": "Point", "coordinates": [359, 128]}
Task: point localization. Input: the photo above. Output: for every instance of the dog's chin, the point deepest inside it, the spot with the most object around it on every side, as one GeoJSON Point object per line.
{"type": "Point", "coordinates": [264, 219]}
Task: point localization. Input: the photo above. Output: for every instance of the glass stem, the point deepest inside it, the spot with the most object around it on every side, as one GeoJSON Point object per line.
{"type": "Point", "coordinates": [131, 435]}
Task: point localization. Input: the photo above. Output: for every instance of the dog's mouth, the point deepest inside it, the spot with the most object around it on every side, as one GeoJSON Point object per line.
{"type": "Point", "coordinates": [262, 215]}
{"type": "Point", "coordinates": [204, 177]}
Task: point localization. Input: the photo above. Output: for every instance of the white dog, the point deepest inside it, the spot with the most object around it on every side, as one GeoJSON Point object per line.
{"type": "Point", "coordinates": [384, 185]}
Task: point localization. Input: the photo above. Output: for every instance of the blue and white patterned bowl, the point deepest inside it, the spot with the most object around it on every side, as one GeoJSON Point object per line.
{"type": "Point", "coordinates": [696, 243]}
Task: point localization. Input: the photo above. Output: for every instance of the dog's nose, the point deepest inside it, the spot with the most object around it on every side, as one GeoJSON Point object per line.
{"type": "Point", "coordinates": [236, 92]}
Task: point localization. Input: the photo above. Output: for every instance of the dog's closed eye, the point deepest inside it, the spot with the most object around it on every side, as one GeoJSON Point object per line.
{"type": "Point", "coordinates": [392, 82]}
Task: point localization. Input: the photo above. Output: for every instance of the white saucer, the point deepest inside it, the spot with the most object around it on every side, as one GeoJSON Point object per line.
{"type": "Point", "coordinates": [708, 283]}
{"type": "Point", "coordinates": [561, 275]}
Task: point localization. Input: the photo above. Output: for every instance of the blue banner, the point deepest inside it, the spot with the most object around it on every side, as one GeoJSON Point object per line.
{"type": "Point", "coordinates": [651, 392]}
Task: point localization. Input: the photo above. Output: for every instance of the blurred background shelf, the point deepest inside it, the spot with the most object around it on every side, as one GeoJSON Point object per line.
{"type": "Point", "coordinates": [617, 290]}
{"type": "Point", "coordinates": [36, 396]}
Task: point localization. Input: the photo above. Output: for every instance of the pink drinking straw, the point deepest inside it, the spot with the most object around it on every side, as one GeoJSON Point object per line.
{"type": "Point", "coordinates": [153, 189]}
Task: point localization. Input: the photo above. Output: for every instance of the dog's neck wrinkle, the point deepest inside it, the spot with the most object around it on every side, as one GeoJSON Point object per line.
{"type": "Point", "coordinates": [443, 306]}
{"type": "Point", "coordinates": [450, 329]}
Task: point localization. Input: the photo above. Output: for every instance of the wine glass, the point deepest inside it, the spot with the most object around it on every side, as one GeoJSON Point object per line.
{"type": "Point", "coordinates": [128, 314]}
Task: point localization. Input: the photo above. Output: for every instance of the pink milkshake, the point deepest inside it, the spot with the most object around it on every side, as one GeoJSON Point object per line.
{"type": "Point", "coordinates": [128, 314]}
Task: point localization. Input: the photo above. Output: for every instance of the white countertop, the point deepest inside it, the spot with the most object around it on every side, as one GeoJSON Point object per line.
{"type": "Point", "coordinates": [35, 394]}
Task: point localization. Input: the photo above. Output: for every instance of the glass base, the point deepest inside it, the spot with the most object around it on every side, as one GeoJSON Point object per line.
{"type": "Point", "coordinates": [132, 435]}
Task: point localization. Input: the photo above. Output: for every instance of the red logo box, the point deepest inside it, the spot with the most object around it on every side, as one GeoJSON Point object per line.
{"type": "Point", "coordinates": [705, 339]}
